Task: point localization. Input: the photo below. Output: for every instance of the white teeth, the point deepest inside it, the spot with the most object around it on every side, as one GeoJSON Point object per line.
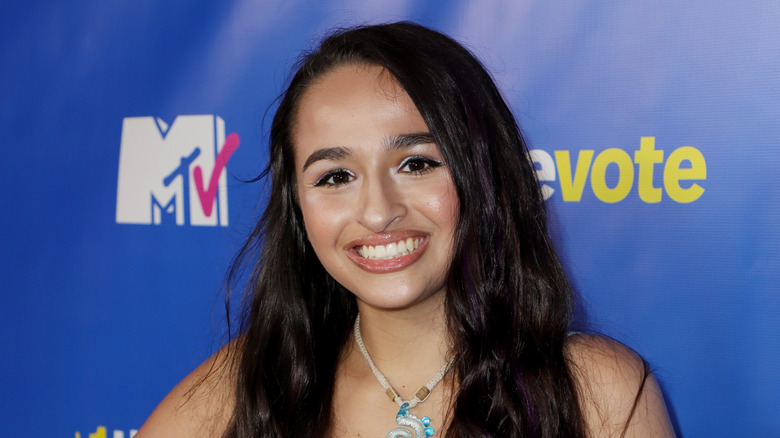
{"type": "Point", "coordinates": [392, 250]}
{"type": "Point", "coordinates": [389, 251]}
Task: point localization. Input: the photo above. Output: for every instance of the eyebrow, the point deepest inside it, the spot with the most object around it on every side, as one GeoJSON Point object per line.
{"type": "Point", "coordinates": [401, 141]}
{"type": "Point", "coordinates": [331, 154]}
{"type": "Point", "coordinates": [404, 141]}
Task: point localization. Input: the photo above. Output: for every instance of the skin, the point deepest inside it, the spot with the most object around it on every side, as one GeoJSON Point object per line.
{"type": "Point", "coordinates": [608, 375]}
{"type": "Point", "coordinates": [382, 191]}
{"type": "Point", "coordinates": [386, 191]}
{"type": "Point", "coordinates": [359, 184]}
{"type": "Point", "coordinates": [199, 406]}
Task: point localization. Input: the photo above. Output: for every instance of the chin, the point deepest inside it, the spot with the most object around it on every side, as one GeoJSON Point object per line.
{"type": "Point", "coordinates": [393, 299]}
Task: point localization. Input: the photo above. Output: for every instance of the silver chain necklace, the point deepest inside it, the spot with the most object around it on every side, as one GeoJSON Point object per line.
{"type": "Point", "coordinates": [420, 426]}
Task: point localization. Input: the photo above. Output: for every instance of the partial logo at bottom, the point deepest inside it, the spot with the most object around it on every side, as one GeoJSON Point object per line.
{"type": "Point", "coordinates": [102, 432]}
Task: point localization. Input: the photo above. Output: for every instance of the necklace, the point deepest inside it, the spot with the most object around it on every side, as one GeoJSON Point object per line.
{"type": "Point", "coordinates": [421, 426]}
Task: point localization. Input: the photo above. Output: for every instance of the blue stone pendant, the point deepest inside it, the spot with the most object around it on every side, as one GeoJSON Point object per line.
{"type": "Point", "coordinates": [420, 427]}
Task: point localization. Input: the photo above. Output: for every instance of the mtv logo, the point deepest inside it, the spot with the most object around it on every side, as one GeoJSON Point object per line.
{"type": "Point", "coordinates": [174, 174]}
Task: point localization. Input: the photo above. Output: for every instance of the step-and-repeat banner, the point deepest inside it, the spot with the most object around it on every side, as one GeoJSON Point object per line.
{"type": "Point", "coordinates": [128, 128]}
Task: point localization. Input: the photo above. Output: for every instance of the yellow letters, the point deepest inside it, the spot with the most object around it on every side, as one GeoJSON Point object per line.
{"type": "Point", "coordinates": [572, 180]}
{"type": "Point", "coordinates": [673, 174]}
{"type": "Point", "coordinates": [646, 157]}
{"type": "Point", "coordinates": [572, 187]}
{"type": "Point", "coordinates": [599, 174]}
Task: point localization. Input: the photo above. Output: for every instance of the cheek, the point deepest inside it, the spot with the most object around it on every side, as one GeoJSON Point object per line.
{"type": "Point", "coordinates": [322, 218]}
{"type": "Point", "coordinates": [439, 203]}
{"type": "Point", "coordinates": [451, 204]}
{"type": "Point", "coordinates": [443, 204]}
{"type": "Point", "coordinates": [311, 222]}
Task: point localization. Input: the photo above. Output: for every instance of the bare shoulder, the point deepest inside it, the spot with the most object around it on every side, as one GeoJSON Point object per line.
{"type": "Point", "coordinates": [200, 405]}
{"type": "Point", "coordinates": [618, 393]}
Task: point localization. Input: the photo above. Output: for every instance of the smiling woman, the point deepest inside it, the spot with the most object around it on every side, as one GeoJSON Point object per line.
{"type": "Point", "coordinates": [385, 186]}
{"type": "Point", "coordinates": [403, 282]}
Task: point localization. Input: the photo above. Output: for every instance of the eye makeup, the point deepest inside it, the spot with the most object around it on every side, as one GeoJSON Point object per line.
{"type": "Point", "coordinates": [335, 178]}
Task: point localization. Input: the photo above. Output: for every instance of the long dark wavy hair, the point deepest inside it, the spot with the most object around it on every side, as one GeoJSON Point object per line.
{"type": "Point", "coordinates": [508, 303]}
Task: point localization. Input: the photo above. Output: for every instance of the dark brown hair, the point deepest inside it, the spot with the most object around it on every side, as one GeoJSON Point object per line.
{"type": "Point", "coordinates": [508, 303]}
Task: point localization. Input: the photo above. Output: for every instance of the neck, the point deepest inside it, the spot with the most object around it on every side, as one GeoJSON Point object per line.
{"type": "Point", "coordinates": [408, 346]}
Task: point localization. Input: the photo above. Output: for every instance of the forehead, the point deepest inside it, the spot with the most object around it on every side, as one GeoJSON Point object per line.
{"type": "Point", "coordinates": [354, 82]}
{"type": "Point", "coordinates": [353, 105]}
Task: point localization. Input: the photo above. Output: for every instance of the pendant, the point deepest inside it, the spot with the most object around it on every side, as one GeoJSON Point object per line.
{"type": "Point", "coordinates": [420, 427]}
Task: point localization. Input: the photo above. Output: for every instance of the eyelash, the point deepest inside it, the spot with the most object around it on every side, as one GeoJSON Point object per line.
{"type": "Point", "coordinates": [429, 164]}
{"type": "Point", "coordinates": [327, 180]}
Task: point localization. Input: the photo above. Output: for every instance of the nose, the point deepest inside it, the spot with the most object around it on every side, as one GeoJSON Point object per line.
{"type": "Point", "coordinates": [381, 203]}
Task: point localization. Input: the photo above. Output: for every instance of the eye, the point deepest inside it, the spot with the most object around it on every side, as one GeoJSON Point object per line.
{"type": "Point", "coordinates": [418, 165]}
{"type": "Point", "coordinates": [335, 178]}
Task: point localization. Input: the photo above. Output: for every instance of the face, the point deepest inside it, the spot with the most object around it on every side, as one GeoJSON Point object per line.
{"type": "Point", "coordinates": [378, 201]}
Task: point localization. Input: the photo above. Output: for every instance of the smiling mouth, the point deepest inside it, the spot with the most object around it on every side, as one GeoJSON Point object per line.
{"type": "Point", "coordinates": [390, 251]}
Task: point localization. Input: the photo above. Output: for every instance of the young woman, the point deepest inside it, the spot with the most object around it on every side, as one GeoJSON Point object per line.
{"type": "Point", "coordinates": [403, 282]}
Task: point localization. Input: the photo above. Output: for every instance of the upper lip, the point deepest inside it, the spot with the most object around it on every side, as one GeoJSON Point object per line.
{"type": "Point", "coordinates": [385, 238]}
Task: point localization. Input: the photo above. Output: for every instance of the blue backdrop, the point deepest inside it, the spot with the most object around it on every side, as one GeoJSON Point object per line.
{"type": "Point", "coordinates": [654, 125]}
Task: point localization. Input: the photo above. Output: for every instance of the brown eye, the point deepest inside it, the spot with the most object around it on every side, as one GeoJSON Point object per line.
{"type": "Point", "coordinates": [415, 166]}
{"type": "Point", "coordinates": [335, 178]}
{"type": "Point", "coordinates": [340, 178]}
{"type": "Point", "coordinates": [419, 165]}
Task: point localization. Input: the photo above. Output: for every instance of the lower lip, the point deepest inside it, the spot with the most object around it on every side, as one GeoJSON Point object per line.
{"type": "Point", "coordinates": [388, 265]}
